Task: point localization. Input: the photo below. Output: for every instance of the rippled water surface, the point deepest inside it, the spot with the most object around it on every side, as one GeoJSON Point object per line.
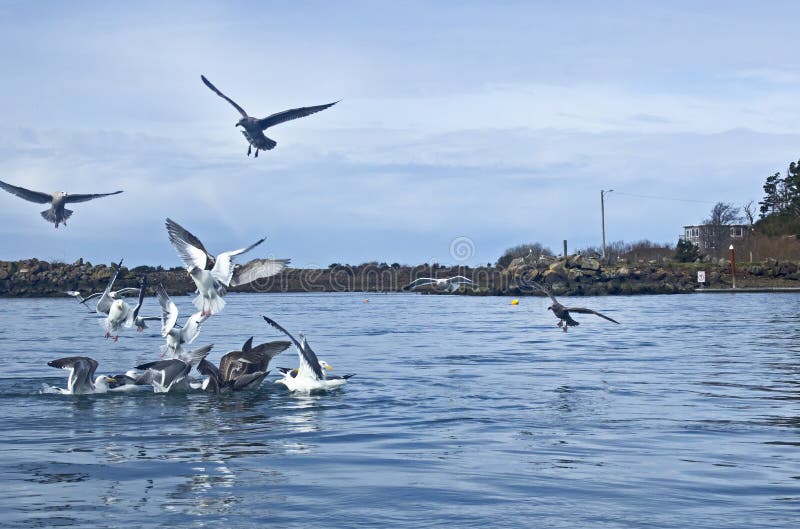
{"type": "Point", "coordinates": [465, 411]}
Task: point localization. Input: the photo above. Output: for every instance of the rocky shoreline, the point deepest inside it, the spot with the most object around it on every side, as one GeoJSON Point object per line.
{"type": "Point", "coordinates": [572, 276]}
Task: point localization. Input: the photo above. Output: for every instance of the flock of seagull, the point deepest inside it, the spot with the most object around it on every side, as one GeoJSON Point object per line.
{"type": "Point", "coordinates": [213, 275]}
{"type": "Point", "coordinates": [244, 369]}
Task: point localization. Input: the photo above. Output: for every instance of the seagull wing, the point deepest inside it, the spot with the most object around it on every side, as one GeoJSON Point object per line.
{"type": "Point", "coordinates": [138, 307]}
{"type": "Point", "coordinates": [268, 351]}
{"type": "Point", "coordinates": [210, 370]}
{"type": "Point", "coordinates": [27, 194]}
{"type": "Point", "coordinates": [540, 288]}
{"type": "Point", "coordinates": [193, 357]}
{"type": "Point", "coordinates": [288, 115]}
{"type": "Point", "coordinates": [85, 198]}
{"type": "Point", "coordinates": [223, 268]}
{"type": "Point", "coordinates": [81, 369]}
{"type": "Point", "coordinates": [125, 291]}
{"type": "Point", "coordinates": [581, 310]}
{"type": "Point", "coordinates": [169, 311]}
{"type": "Point", "coordinates": [171, 371]}
{"type": "Point", "coordinates": [308, 360]}
{"type": "Point", "coordinates": [223, 96]}
{"type": "Point", "coordinates": [189, 248]}
{"type": "Point", "coordinates": [191, 329]}
{"type": "Point", "coordinates": [91, 296]}
{"type": "Point", "coordinates": [249, 380]}
{"type": "Point", "coordinates": [105, 301]}
{"type": "Point", "coordinates": [459, 280]}
{"type": "Point", "coordinates": [422, 281]}
{"type": "Point", "coordinates": [257, 269]}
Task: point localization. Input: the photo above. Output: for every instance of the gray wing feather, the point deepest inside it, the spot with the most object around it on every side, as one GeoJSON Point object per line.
{"type": "Point", "coordinates": [85, 198]}
{"type": "Point", "coordinates": [190, 249]}
{"type": "Point", "coordinates": [257, 269]}
{"type": "Point", "coordinates": [105, 301]}
{"type": "Point", "coordinates": [293, 113]}
{"type": "Point", "coordinates": [223, 96]}
{"type": "Point", "coordinates": [582, 310]}
{"type": "Point", "coordinates": [27, 194]}
{"type": "Point", "coordinates": [304, 352]}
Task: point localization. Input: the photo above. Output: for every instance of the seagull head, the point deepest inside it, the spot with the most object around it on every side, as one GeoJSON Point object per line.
{"type": "Point", "coordinates": [325, 365]}
{"type": "Point", "coordinates": [240, 123]}
{"type": "Point", "coordinates": [192, 270]}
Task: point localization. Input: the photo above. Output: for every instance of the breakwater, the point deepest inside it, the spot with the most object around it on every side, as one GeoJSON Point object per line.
{"type": "Point", "coordinates": [572, 276]}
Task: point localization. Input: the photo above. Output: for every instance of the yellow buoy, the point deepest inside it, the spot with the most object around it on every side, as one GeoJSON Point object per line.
{"type": "Point", "coordinates": [515, 302]}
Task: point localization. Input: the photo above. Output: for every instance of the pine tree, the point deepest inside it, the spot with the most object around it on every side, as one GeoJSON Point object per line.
{"type": "Point", "coordinates": [771, 198]}
{"type": "Point", "coordinates": [792, 188]}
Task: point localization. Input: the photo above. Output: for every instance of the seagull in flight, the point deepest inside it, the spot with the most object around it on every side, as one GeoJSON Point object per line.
{"type": "Point", "coordinates": [176, 336]}
{"type": "Point", "coordinates": [449, 283]}
{"type": "Point", "coordinates": [214, 274]}
{"type": "Point", "coordinates": [563, 313]}
{"type": "Point", "coordinates": [117, 312]}
{"type": "Point", "coordinates": [309, 375]}
{"type": "Point", "coordinates": [57, 214]}
{"type": "Point", "coordinates": [253, 127]}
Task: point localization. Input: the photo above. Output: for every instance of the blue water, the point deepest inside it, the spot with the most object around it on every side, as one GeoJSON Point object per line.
{"type": "Point", "coordinates": [465, 412]}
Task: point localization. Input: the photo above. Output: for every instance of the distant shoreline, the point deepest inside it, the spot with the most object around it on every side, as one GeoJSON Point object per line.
{"type": "Point", "coordinates": [572, 276]}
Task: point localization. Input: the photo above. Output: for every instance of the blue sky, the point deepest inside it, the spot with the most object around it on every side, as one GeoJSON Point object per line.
{"type": "Point", "coordinates": [480, 124]}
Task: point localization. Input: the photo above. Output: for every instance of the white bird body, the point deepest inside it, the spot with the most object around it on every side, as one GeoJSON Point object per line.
{"type": "Point", "coordinates": [119, 314]}
{"type": "Point", "coordinates": [210, 290]}
{"type": "Point", "coordinates": [175, 336]}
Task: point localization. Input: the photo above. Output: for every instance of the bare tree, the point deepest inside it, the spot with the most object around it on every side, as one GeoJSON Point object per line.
{"type": "Point", "coordinates": [750, 213]}
{"type": "Point", "coordinates": [717, 231]}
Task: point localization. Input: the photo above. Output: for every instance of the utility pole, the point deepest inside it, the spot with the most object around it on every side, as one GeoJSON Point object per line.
{"type": "Point", "coordinates": [603, 218]}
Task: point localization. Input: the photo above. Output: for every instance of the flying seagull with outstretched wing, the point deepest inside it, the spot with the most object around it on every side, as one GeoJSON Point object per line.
{"type": "Point", "coordinates": [563, 313]}
{"type": "Point", "coordinates": [57, 214]}
{"type": "Point", "coordinates": [253, 128]}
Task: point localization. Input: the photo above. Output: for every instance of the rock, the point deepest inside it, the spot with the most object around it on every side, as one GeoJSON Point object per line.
{"type": "Point", "coordinates": [574, 274]}
{"type": "Point", "coordinates": [590, 264]}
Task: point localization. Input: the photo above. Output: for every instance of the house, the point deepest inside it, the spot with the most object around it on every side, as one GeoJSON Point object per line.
{"type": "Point", "coordinates": [708, 236]}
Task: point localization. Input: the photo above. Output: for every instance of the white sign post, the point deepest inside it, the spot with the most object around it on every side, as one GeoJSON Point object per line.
{"type": "Point", "coordinates": [701, 277]}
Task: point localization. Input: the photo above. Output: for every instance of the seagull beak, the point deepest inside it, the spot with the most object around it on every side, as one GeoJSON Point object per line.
{"type": "Point", "coordinates": [111, 379]}
{"type": "Point", "coordinates": [329, 367]}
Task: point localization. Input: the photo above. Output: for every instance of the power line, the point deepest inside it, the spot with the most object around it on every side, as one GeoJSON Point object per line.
{"type": "Point", "coordinates": [664, 198]}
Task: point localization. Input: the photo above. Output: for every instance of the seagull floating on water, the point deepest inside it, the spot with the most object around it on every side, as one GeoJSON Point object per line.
{"type": "Point", "coordinates": [57, 214]}
{"type": "Point", "coordinates": [241, 370]}
{"type": "Point", "coordinates": [214, 274]}
{"type": "Point", "coordinates": [563, 313]}
{"type": "Point", "coordinates": [310, 375]}
{"type": "Point", "coordinates": [450, 283]}
{"type": "Point", "coordinates": [173, 374]}
{"type": "Point", "coordinates": [81, 373]}
{"type": "Point", "coordinates": [254, 127]}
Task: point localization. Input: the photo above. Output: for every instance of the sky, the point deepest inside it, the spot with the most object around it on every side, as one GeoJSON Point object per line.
{"type": "Point", "coordinates": [464, 128]}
